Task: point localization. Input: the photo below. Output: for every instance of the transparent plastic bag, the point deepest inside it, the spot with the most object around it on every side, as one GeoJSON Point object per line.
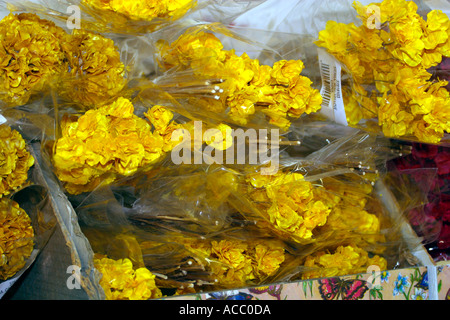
{"type": "Point", "coordinates": [132, 17]}
{"type": "Point", "coordinates": [427, 168]}
{"type": "Point", "coordinates": [377, 79]}
{"type": "Point", "coordinates": [178, 221]}
{"type": "Point", "coordinates": [364, 101]}
{"type": "Point", "coordinates": [27, 213]}
{"type": "Point", "coordinates": [257, 86]}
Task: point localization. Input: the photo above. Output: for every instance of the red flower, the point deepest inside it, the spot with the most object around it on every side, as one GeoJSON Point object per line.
{"type": "Point", "coordinates": [444, 237]}
{"type": "Point", "coordinates": [442, 160]}
{"type": "Point", "coordinates": [424, 151]}
{"type": "Point", "coordinates": [444, 207]}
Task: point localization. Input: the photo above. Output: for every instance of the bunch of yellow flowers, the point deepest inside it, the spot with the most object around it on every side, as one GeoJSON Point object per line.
{"type": "Point", "coordinates": [31, 56]}
{"type": "Point", "coordinates": [314, 211]}
{"type": "Point", "coordinates": [389, 66]}
{"type": "Point", "coordinates": [236, 263]}
{"type": "Point", "coordinates": [108, 142]}
{"type": "Point", "coordinates": [85, 68]}
{"type": "Point", "coordinates": [279, 92]}
{"type": "Point", "coordinates": [15, 160]}
{"type": "Point", "coordinates": [94, 72]}
{"type": "Point", "coordinates": [140, 10]}
{"type": "Point", "coordinates": [293, 207]}
{"type": "Point", "coordinates": [350, 216]}
{"type": "Point", "coordinates": [120, 281]}
{"type": "Point", "coordinates": [16, 238]}
{"type": "Point", "coordinates": [345, 260]}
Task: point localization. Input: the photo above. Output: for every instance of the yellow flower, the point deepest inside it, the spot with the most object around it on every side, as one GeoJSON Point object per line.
{"type": "Point", "coordinates": [16, 238]}
{"type": "Point", "coordinates": [345, 260]}
{"type": "Point", "coordinates": [121, 282]}
{"type": "Point", "coordinates": [31, 58]}
{"type": "Point", "coordinates": [437, 21]}
{"type": "Point", "coordinates": [95, 72]}
{"type": "Point", "coordinates": [106, 143]}
{"type": "Point", "coordinates": [335, 36]}
{"type": "Point", "coordinates": [159, 117]}
{"type": "Point", "coordinates": [142, 10]}
{"type": "Point", "coordinates": [279, 92]}
{"type": "Point", "coordinates": [269, 255]}
{"type": "Point", "coordinates": [222, 130]}
{"type": "Point", "coordinates": [236, 262]}
{"type": "Point", "coordinates": [294, 207]}
{"type": "Point", "coordinates": [234, 267]}
{"type": "Point", "coordinates": [15, 160]}
{"type": "Point", "coordinates": [284, 71]}
{"type": "Point", "coordinates": [395, 60]}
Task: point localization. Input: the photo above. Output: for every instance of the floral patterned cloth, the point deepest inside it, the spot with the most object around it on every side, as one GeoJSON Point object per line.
{"type": "Point", "coordinates": [401, 284]}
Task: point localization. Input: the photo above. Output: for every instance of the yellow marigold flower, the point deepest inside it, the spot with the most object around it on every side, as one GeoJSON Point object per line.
{"type": "Point", "coordinates": [95, 72]}
{"type": "Point", "coordinates": [103, 144]}
{"type": "Point", "coordinates": [234, 266]}
{"type": "Point", "coordinates": [222, 130]}
{"type": "Point", "coordinates": [240, 109]}
{"type": "Point", "coordinates": [16, 238]}
{"type": "Point", "coordinates": [31, 57]}
{"type": "Point", "coordinates": [258, 180]}
{"type": "Point", "coordinates": [345, 260]}
{"type": "Point", "coordinates": [159, 116]}
{"type": "Point", "coordinates": [353, 110]}
{"type": "Point", "coordinates": [234, 263]}
{"type": "Point", "coordinates": [231, 253]}
{"type": "Point", "coordinates": [268, 257]}
{"type": "Point", "coordinates": [437, 21]}
{"type": "Point", "coordinates": [261, 73]}
{"type": "Point", "coordinates": [284, 71]}
{"type": "Point", "coordinates": [294, 208]}
{"type": "Point", "coordinates": [353, 220]}
{"type": "Point", "coordinates": [199, 248]}
{"type": "Point", "coordinates": [238, 262]}
{"type": "Point", "coordinates": [15, 160]}
{"type": "Point", "coordinates": [121, 282]}
{"type": "Point", "coordinates": [335, 36]}
{"type": "Point", "coordinates": [189, 48]}
{"type": "Point", "coordinates": [426, 133]}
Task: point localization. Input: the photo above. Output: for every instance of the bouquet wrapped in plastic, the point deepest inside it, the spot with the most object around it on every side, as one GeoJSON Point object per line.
{"type": "Point", "coordinates": [246, 88]}
{"type": "Point", "coordinates": [124, 17]}
{"type": "Point", "coordinates": [198, 227]}
{"type": "Point", "coordinates": [43, 59]}
{"type": "Point", "coordinates": [212, 169]}
{"type": "Point", "coordinates": [26, 219]}
{"type": "Point", "coordinates": [388, 62]}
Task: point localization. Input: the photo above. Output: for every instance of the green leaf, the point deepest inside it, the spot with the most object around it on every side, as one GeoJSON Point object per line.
{"type": "Point", "coordinates": [380, 295]}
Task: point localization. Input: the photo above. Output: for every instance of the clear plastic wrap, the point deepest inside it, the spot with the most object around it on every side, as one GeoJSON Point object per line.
{"type": "Point", "coordinates": [255, 86]}
{"type": "Point", "coordinates": [387, 61]}
{"type": "Point", "coordinates": [44, 61]}
{"type": "Point", "coordinates": [328, 206]}
{"type": "Point", "coordinates": [126, 17]}
{"type": "Point", "coordinates": [27, 216]}
{"type": "Point", "coordinates": [373, 52]}
{"type": "Point", "coordinates": [210, 227]}
{"type": "Point", "coordinates": [427, 168]}
{"type": "Point", "coordinates": [135, 18]}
